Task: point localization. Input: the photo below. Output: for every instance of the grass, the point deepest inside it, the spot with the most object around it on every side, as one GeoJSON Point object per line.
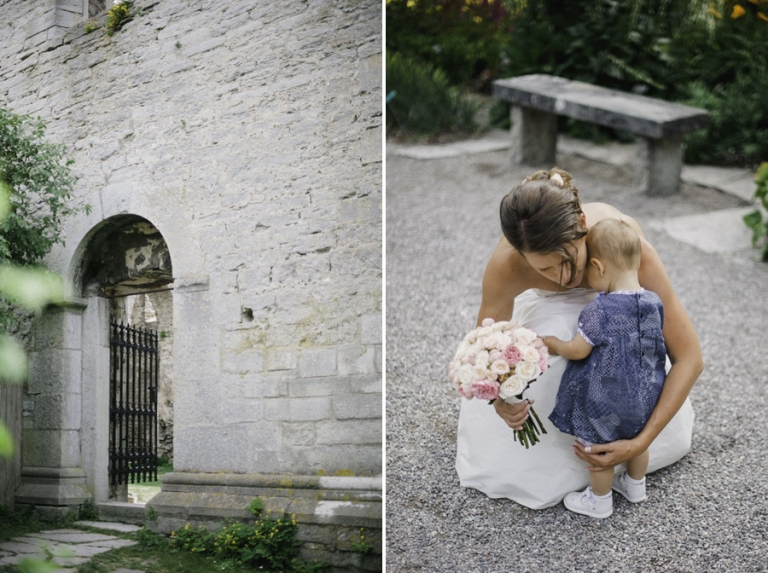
{"type": "Point", "coordinates": [147, 490]}
{"type": "Point", "coordinates": [152, 554]}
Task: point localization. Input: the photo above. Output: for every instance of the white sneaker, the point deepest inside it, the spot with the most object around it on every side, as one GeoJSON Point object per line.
{"type": "Point", "coordinates": [586, 503]}
{"type": "Point", "coordinates": [633, 492]}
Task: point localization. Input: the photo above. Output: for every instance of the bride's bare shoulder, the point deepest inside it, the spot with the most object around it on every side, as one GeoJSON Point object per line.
{"type": "Point", "coordinates": [598, 211]}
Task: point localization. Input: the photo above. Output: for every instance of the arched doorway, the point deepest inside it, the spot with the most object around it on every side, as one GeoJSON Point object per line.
{"type": "Point", "coordinates": [125, 277]}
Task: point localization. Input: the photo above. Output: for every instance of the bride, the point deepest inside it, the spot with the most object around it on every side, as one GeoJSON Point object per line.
{"type": "Point", "coordinates": [537, 277]}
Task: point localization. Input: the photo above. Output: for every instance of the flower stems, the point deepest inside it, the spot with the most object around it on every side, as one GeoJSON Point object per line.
{"type": "Point", "coordinates": [529, 435]}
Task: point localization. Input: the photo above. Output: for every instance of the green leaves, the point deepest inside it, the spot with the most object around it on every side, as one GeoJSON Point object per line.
{"type": "Point", "coordinates": [31, 288]}
{"type": "Point", "coordinates": [754, 220]}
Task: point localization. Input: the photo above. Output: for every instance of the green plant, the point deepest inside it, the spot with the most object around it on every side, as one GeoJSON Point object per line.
{"type": "Point", "coordinates": [150, 540]}
{"type": "Point", "coordinates": [422, 101]}
{"type": "Point", "coordinates": [754, 220]}
{"type": "Point", "coordinates": [361, 545]}
{"type": "Point", "coordinates": [177, 44]}
{"type": "Point", "coordinates": [266, 543]}
{"type": "Point", "coordinates": [118, 16]}
{"type": "Point", "coordinates": [256, 506]}
{"type": "Point", "coordinates": [90, 26]}
{"type": "Point", "coordinates": [87, 511]}
{"type": "Point", "coordinates": [150, 514]}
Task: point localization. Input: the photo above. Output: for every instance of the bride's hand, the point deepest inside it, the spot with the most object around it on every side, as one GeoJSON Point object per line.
{"type": "Point", "coordinates": [601, 456]}
{"type": "Point", "coordinates": [513, 414]}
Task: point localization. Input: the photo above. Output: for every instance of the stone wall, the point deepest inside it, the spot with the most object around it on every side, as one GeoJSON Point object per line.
{"type": "Point", "coordinates": [257, 129]}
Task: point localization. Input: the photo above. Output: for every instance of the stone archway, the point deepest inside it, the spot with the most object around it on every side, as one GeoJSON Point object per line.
{"type": "Point", "coordinates": [128, 264]}
{"type": "Point", "coordinates": [65, 458]}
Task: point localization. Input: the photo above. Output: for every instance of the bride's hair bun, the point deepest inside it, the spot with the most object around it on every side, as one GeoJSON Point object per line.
{"type": "Point", "coordinates": [557, 176]}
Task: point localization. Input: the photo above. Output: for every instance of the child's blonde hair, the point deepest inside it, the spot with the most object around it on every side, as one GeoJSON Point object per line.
{"type": "Point", "coordinates": [615, 241]}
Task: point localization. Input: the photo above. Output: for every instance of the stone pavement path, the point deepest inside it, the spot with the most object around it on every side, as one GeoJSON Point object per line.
{"type": "Point", "coordinates": [69, 547]}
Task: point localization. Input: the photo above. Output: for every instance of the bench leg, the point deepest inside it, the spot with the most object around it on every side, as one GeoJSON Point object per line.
{"type": "Point", "coordinates": [661, 161]}
{"type": "Point", "coordinates": [534, 137]}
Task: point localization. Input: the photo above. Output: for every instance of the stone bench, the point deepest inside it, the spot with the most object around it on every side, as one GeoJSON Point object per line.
{"type": "Point", "coordinates": [538, 99]}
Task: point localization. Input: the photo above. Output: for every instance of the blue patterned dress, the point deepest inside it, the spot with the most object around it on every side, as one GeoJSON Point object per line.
{"type": "Point", "coordinates": [610, 394]}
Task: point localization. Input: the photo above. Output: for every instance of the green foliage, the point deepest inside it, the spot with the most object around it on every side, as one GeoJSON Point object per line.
{"type": "Point", "coordinates": [361, 545]}
{"type": "Point", "coordinates": [256, 506]}
{"type": "Point", "coordinates": [90, 26]}
{"type": "Point", "coordinates": [118, 16]}
{"type": "Point", "coordinates": [422, 101]}
{"type": "Point", "coordinates": [738, 132]}
{"type": "Point", "coordinates": [754, 220]}
{"type": "Point", "coordinates": [150, 540]}
{"type": "Point", "coordinates": [87, 511]}
{"type": "Point", "coordinates": [41, 186]}
{"type": "Point", "coordinates": [150, 514]}
{"type": "Point", "coordinates": [463, 38]}
{"type": "Point", "coordinates": [266, 543]}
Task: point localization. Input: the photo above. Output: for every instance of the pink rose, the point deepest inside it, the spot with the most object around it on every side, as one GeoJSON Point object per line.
{"type": "Point", "coordinates": [485, 389]}
{"type": "Point", "coordinates": [543, 363]}
{"type": "Point", "coordinates": [494, 356]}
{"type": "Point", "coordinates": [512, 354]}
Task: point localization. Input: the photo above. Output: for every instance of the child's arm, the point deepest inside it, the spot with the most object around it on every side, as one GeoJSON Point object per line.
{"type": "Point", "coordinates": [575, 349]}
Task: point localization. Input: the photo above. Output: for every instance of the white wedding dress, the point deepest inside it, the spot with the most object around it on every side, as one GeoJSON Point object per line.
{"type": "Point", "coordinates": [489, 460]}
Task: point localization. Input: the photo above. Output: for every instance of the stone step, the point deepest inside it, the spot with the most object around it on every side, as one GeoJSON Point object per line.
{"type": "Point", "coordinates": [122, 511]}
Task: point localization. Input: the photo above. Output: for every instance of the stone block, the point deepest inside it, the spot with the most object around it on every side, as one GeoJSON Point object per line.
{"type": "Point", "coordinates": [282, 358]}
{"type": "Point", "coordinates": [369, 73]}
{"type": "Point", "coordinates": [211, 448]}
{"type": "Point", "coordinates": [357, 406]}
{"type": "Point", "coordinates": [349, 432]}
{"type": "Point", "coordinates": [371, 146]}
{"type": "Point", "coordinates": [60, 328]}
{"type": "Point", "coordinates": [346, 459]}
{"type": "Point", "coordinates": [307, 387]}
{"type": "Point", "coordinates": [356, 359]}
{"type": "Point", "coordinates": [297, 409]}
{"type": "Point", "coordinates": [299, 434]}
{"type": "Point", "coordinates": [534, 136]}
{"type": "Point", "coordinates": [57, 411]}
{"type": "Point", "coordinates": [317, 362]}
{"type": "Point", "coordinates": [243, 410]}
{"type": "Point", "coordinates": [54, 370]}
{"type": "Point", "coordinates": [196, 401]}
{"type": "Point", "coordinates": [371, 328]}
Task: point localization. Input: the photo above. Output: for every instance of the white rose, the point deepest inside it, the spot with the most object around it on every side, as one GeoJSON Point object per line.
{"type": "Point", "coordinates": [500, 367]}
{"type": "Point", "coordinates": [489, 341]}
{"type": "Point", "coordinates": [527, 370]}
{"type": "Point", "coordinates": [471, 336]}
{"type": "Point", "coordinates": [503, 341]}
{"type": "Point", "coordinates": [499, 326]}
{"type": "Point", "coordinates": [512, 387]}
{"type": "Point", "coordinates": [484, 331]}
{"type": "Point", "coordinates": [482, 358]}
{"type": "Point", "coordinates": [466, 374]}
{"type": "Point", "coordinates": [525, 336]}
{"type": "Point", "coordinates": [480, 371]}
{"type": "Point", "coordinates": [530, 354]}
{"type": "Point", "coordinates": [462, 349]}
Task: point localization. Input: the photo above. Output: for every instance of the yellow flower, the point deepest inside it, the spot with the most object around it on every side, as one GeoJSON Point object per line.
{"type": "Point", "coordinates": [738, 11]}
{"type": "Point", "coordinates": [753, 1]}
{"type": "Point", "coordinates": [714, 12]}
{"type": "Point", "coordinates": [762, 16]}
{"type": "Point", "coordinates": [478, 20]}
{"type": "Point", "coordinates": [410, 3]}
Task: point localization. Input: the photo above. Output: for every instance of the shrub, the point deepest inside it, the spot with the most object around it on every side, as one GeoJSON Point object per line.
{"type": "Point", "coordinates": [754, 220]}
{"type": "Point", "coordinates": [465, 38]}
{"type": "Point", "coordinates": [738, 133]}
{"type": "Point", "coordinates": [423, 101]}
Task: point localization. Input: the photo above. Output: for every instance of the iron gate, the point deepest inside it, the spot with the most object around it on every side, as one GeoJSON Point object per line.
{"type": "Point", "coordinates": [132, 404]}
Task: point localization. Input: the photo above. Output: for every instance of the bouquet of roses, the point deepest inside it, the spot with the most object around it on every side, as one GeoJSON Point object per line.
{"type": "Point", "coordinates": [499, 360]}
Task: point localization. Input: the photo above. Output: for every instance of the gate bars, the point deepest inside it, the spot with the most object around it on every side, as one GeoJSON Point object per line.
{"type": "Point", "coordinates": [132, 404]}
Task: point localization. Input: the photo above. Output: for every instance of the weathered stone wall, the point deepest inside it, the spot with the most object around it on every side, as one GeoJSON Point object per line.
{"type": "Point", "coordinates": [249, 134]}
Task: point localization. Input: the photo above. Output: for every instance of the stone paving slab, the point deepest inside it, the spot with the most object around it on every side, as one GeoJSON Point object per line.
{"type": "Point", "coordinates": [715, 232]}
{"type": "Point", "coordinates": [110, 525]}
{"type": "Point", "coordinates": [71, 536]}
{"type": "Point", "coordinates": [69, 547]}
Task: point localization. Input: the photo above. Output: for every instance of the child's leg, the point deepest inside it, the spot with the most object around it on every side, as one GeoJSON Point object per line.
{"type": "Point", "coordinates": [601, 481]}
{"type": "Point", "coordinates": [637, 466]}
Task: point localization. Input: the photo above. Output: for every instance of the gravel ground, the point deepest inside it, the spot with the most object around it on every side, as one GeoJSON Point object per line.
{"type": "Point", "coordinates": [707, 512]}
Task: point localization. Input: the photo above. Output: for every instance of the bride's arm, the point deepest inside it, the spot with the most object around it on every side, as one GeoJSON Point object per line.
{"type": "Point", "coordinates": [685, 354]}
{"type": "Point", "coordinates": [500, 287]}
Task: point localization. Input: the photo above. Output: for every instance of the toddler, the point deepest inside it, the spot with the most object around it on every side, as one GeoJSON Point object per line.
{"type": "Point", "coordinates": [617, 365]}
